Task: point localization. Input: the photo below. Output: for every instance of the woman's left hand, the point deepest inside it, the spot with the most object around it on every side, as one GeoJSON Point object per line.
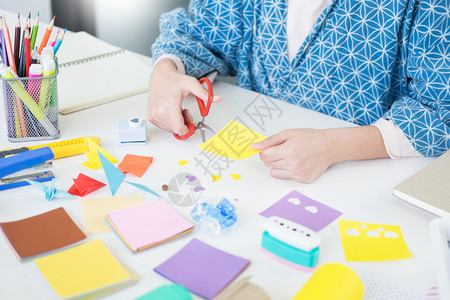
{"type": "Point", "coordinates": [305, 154]}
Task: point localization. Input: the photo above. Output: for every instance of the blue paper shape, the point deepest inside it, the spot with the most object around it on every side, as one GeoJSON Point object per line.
{"type": "Point", "coordinates": [114, 175]}
{"type": "Point", "coordinates": [144, 188]}
{"type": "Point", "coordinates": [50, 191]}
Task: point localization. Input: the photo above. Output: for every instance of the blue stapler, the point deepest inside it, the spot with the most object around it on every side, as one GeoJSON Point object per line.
{"type": "Point", "coordinates": [32, 165]}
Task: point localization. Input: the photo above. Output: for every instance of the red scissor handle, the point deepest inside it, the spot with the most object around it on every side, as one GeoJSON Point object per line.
{"type": "Point", "coordinates": [191, 128]}
{"type": "Point", "coordinates": [204, 110]}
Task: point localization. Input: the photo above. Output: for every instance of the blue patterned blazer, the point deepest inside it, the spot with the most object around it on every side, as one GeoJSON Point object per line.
{"type": "Point", "coordinates": [362, 61]}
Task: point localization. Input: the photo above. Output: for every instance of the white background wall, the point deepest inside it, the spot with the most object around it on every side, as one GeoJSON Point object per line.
{"type": "Point", "coordinates": [131, 24]}
{"type": "Point", "coordinates": [25, 6]}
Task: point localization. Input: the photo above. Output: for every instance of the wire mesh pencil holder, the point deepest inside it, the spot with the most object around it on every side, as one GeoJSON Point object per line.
{"type": "Point", "coordinates": [31, 107]}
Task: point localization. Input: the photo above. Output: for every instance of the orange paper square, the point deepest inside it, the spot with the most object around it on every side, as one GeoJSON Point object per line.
{"type": "Point", "coordinates": [135, 164]}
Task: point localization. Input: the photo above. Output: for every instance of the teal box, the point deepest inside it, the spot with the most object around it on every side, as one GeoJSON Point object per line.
{"type": "Point", "coordinates": [290, 253]}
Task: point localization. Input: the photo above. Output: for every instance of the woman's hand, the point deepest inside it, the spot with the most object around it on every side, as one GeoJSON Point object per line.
{"type": "Point", "coordinates": [166, 91]}
{"type": "Point", "coordinates": [305, 154]}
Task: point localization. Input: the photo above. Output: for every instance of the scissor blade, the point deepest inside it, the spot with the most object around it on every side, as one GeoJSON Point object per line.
{"type": "Point", "coordinates": [203, 135]}
{"type": "Point", "coordinates": [203, 128]}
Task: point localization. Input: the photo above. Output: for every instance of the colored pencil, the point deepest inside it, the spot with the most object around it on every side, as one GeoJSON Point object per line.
{"type": "Point", "coordinates": [47, 33]}
{"type": "Point", "coordinates": [21, 65]}
{"type": "Point", "coordinates": [34, 32]}
{"type": "Point", "coordinates": [17, 41]}
{"type": "Point", "coordinates": [2, 39]}
{"type": "Point", "coordinates": [59, 42]}
{"type": "Point", "coordinates": [53, 40]}
{"type": "Point", "coordinates": [8, 45]}
{"type": "Point", "coordinates": [27, 51]}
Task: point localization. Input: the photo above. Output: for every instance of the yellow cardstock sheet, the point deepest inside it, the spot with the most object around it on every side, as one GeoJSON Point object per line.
{"type": "Point", "coordinates": [233, 141]}
{"type": "Point", "coordinates": [86, 268]}
{"type": "Point", "coordinates": [372, 242]}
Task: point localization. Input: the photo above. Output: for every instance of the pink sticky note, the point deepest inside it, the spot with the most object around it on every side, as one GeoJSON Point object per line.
{"type": "Point", "coordinates": [146, 225]}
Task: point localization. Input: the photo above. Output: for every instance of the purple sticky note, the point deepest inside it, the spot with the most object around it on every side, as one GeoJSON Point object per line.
{"type": "Point", "coordinates": [202, 269]}
{"type": "Point", "coordinates": [303, 210]}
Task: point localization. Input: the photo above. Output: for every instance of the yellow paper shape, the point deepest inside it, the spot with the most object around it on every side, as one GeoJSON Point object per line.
{"type": "Point", "coordinates": [233, 141]}
{"type": "Point", "coordinates": [372, 242]}
{"type": "Point", "coordinates": [84, 270]}
{"type": "Point", "coordinates": [182, 162]}
{"type": "Point", "coordinates": [236, 176]}
{"type": "Point", "coordinates": [332, 281]}
{"type": "Point", "coordinates": [93, 161]}
{"type": "Point", "coordinates": [215, 177]}
{"type": "Point", "coordinates": [95, 210]}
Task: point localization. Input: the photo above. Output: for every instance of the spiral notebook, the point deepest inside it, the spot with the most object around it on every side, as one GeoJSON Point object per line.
{"type": "Point", "coordinates": [94, 72]}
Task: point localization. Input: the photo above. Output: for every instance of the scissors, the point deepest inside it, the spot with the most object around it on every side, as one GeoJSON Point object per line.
{"type": "Point", "coordinates": [204, 111]}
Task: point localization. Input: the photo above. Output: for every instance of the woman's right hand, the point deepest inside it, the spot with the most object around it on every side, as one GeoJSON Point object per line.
{"type": "Point", "coordinates": [166, 90]}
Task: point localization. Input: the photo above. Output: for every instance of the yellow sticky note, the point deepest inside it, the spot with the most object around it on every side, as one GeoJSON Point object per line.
{"type": "Point", "coordinates": [84, 270]}
{"type": "Point", "coordinates": [95, 210]}
{"type": "Point", "coordinates": [93, 161]}
{"type": "Point", "coordinates": [332, 281]}
{"type": "Point", "coordinates": [372, 242]}
{"type": "Point", "coordinates": [233, 141]}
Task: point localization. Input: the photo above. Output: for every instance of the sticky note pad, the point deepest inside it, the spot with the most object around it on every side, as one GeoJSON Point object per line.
{"type": "Point", "coordinates": [147, 225]}
{"type": "Point", "coordinates": [41, 233]}
{"type": "Point", "coordinates": [372, 242]}
{"type": "Point", "coordinates": [303, 210]}
{"type": "Point", "coordinates": [233, 141]}
{"type": "Point", "coordinates": [202, 269]}
{"type": "Point", "coordinates": [95, 210]}
{"type": "Point", "coordinates": [85, 270]}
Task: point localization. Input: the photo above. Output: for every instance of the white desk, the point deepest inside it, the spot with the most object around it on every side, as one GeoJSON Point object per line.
{"type": "Point", "coordinates": [362, 190]}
